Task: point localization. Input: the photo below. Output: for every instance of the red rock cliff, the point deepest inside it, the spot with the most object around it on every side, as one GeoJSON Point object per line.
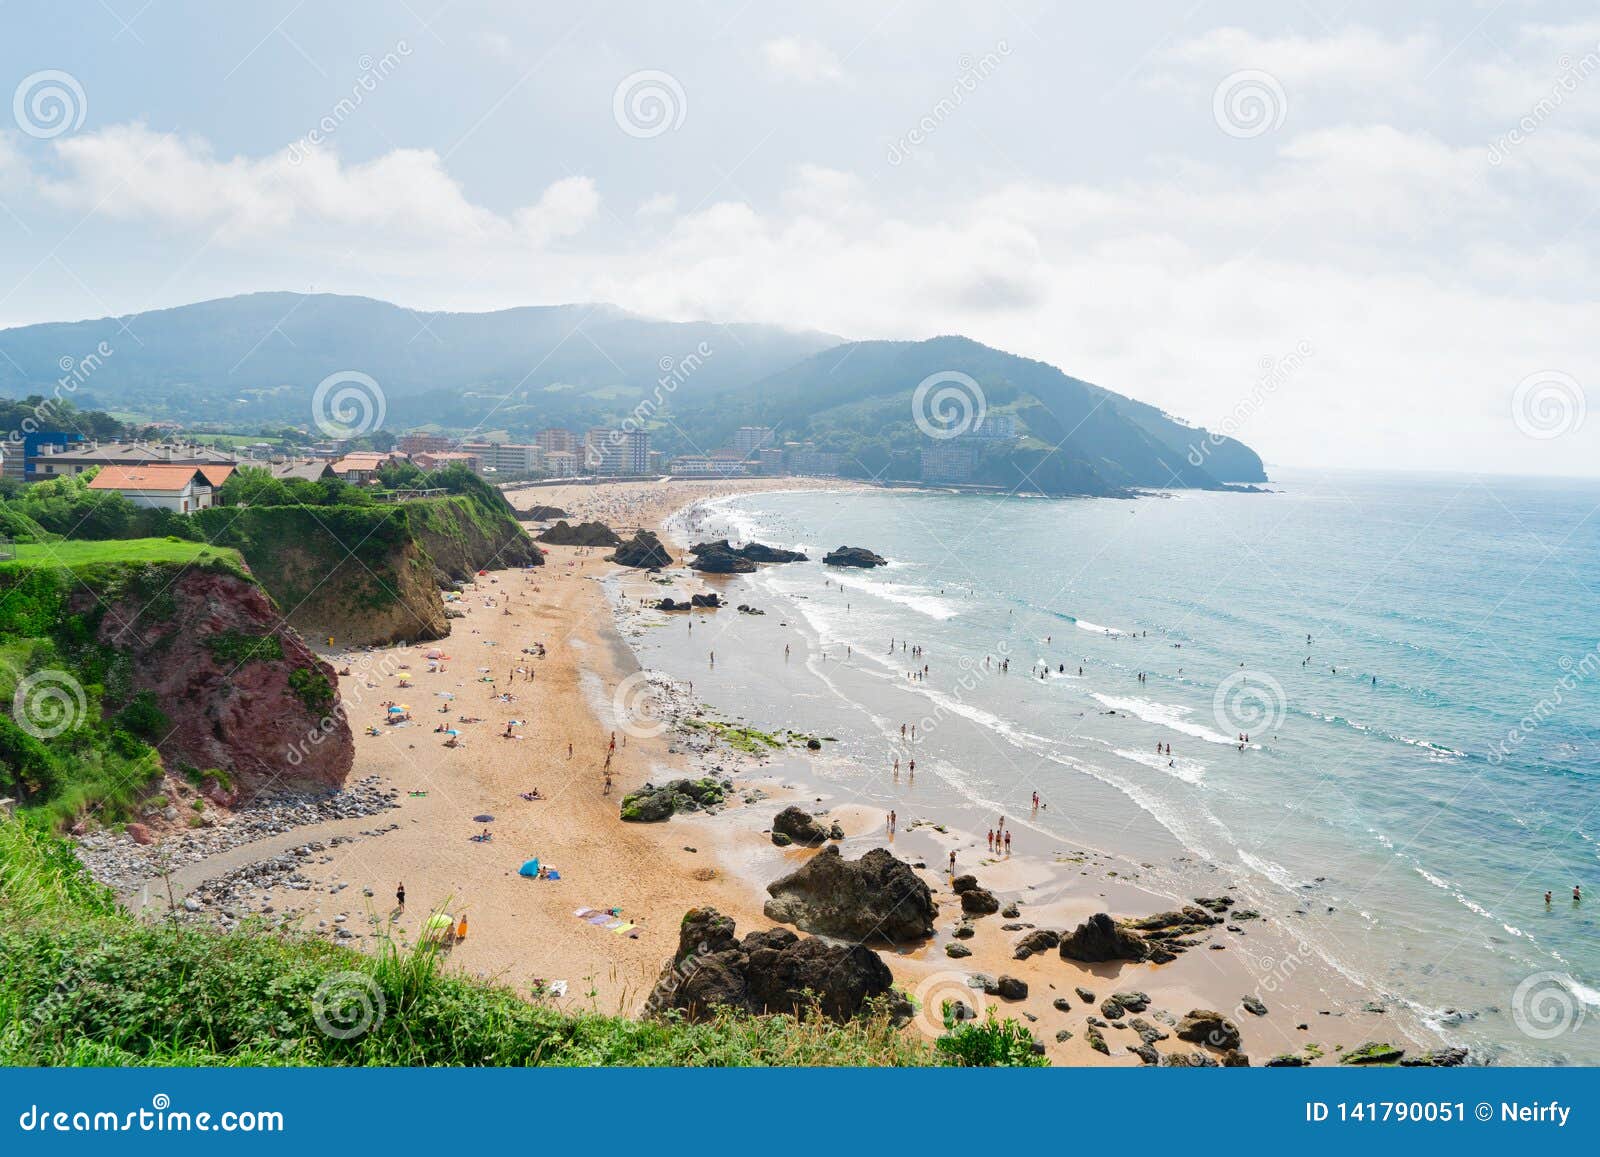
{"type": "Point", "coordinates": [240, 689]}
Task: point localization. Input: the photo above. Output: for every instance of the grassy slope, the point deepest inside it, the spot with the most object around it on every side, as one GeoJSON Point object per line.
{"type": "Point", "coordinates": [82, 983]}
{"type": "Point", "coordinates": [73, 554]}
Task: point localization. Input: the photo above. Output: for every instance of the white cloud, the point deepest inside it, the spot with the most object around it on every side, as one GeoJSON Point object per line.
{"type": "Point", "coordinates": [659, 205]}
{"type": "Point", "coordinates": [129, 172]}
{"type": "Point", "coordinates": [807, 61]}
{"type": "Point", "coordinates": [1351, 58]}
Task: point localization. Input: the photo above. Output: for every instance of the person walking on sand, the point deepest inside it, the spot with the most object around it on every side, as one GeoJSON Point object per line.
{"type": "Point", "coordinates": [991, 839]}
{"type": "Point", "coordinates": [400, 895]}
{"type": "Point", "coordinates": [608, 784]}
{"type": "Point", "coordinates": [569, 749]}
{"type": "Point", "coordinates": [1008, 843]}
{"type": "Point", "coordinates": [952, 861]}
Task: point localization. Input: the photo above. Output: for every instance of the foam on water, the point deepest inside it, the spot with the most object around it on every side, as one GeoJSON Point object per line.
{"type": "Point", "coordinates": [1167, 715]}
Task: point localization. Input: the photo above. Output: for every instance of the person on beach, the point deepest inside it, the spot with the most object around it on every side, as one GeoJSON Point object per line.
{"type": "Point", "coordinates": [1547, 899]}
{"type": "Point", "coordinates": [569, 749]}
{"type": "Point", "coordinates": [1008, 843]}
{"type": "Point", "coordinates": [952, 861]}
{"type": "Point", "coordinates": [400, 895]}
{"type": "Point", "coordinates": [608, 784]}
{"type": "Point", "coordinates": [1577, 893]}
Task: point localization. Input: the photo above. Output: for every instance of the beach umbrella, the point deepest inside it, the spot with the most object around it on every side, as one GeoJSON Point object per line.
{"type": "Point", "coordinates": [396, 711]}
{"type": "Point", "coordinates": [483, 819]}
{"type": "Point", "coordinates": [451, 731]}
{"type": "Point", "coordinates": [531, 868]}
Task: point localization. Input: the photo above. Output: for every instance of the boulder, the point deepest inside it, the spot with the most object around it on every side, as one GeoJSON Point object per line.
{"type": "Point", "coordinates": [1373, 1053]}
{"type": "Point", "coordinates": [1204, 1026]}
{"type": "Point", "coordinates": [875, 897]}
{"type": "Point", "coordinates": [956, 950]}
{"type": "Point", "coordinates": [652, 804]}
{"type": "Point", "coordinates": [1041, 940]}
{"type": "Point", "coordinates": [1085, 995]}
{"type": "Point", "coordinates": [584, 534]}
{"type": "Point", "coordinates": [1253, 1005]}
{"type": "Point", "coordinates": [770, 971]}
{"type": "Point", "coordinates": [1101, 938]}
{"type": "Point", "coordinates": [1447, 1058]}
{"type": "Point", "coordinates": [643, 550]}
{"type": "Point", "coordinates": [760, 552]}
{"type": "Point", "coordinates": [1011, 988]}
{"type": "Point", "coordinates": [1132, 1001]}
{"type": "Point", "coordinates": [857, 556]}
{"type": "Point", "coordinates": [710, 599]}
{"type": "Point", "coordinates": [719, 558]}
{"type": "Point", "coordinates": [799, 827]}
{"type": "Point", "coordinates": [979, 902]}
{"type": "Point", "coordinates": [1060, 1004]}
{"type": "Point", "coordinates": [1287, 1061]}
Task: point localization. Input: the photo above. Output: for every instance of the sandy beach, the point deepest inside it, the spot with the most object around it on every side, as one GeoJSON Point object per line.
{"type": "Point", "coordinates": [524, 931]}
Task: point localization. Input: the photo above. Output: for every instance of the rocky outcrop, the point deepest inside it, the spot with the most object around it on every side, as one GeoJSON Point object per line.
{"type": "Point", "coordinates": [770, 971]}
{"type": "Point", "coordinates": [242, 693]}
{"type": "Point", "coordinates": [874, 898]}
{"type": "Point", "coordinates": [975, 901]}
{"type": "Point", "coordinates": [721, 557]}
{"type": "Point", "coordinates": [799, 827]}
{"type": "Point", "coordinates": [1445, 1058]}
{"type": "Point", "coordinates": [643, 550]}
{"type": "Point", "coordinates": [1207, 1027]}
{"type": "Point", "coordinates": [652, 804]}
{"type": "Point", "coordinates": [1040, 940]}
{"type": "Point", "coordinates": [541, 513]}
{"type": "Point", "coordinates": [1158, 938]}
{"type": "Point", "coordinates": [857, 556]}
{"type": "Point", "coordinates": [1373, 1053]}
{"type": "Point", "coordinates": [584, 534]}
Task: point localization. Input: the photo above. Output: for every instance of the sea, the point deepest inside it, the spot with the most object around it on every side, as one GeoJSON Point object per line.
{"type": "Point", "coordinates": [1380, 693]}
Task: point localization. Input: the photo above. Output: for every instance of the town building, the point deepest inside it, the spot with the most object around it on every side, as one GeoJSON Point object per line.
{"type": "Point", "coordinates": [749, 439]}
{"type": "Point", "coordinates": [54, 459]}
{"type": "Point", "coordinates": [414, 444]}
{"type": "Point", "coordinates": [555, 440]}
{"type": "Point", "coordinates": [183, 489]}
{"type": "Point", "coordinates": [561, 463]}
{"type": "Point", "coordinates": [615, 452]}
{"type": "Point", "coordinates": [521, 459]}
{"type": "Point", "coordinates": [444, 459]}
{"type": "Point", "coordinates": [361, 466]}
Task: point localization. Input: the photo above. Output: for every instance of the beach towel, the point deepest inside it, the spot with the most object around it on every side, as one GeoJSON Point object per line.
{"type": "Point", "coordinates": [621, 928]}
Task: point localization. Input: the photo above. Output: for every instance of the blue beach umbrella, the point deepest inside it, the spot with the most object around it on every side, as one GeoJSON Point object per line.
{"type": "Point", "coordinates": [531, 868]}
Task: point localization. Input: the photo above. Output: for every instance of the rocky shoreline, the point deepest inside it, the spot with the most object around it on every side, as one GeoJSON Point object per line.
{"type": "Point", "coordinates": [126, 865]}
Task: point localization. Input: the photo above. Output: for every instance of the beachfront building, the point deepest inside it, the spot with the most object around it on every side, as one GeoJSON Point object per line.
{"type": "Point", "coordinates": [555, 440]}
{"type": "Point", "coordinates": [705, 466]}
{"type": "Point", "coordinates": [804, 458]}
{"type": "Point", "coordinates": [519, 459]}
{"type": "Point", "coordinates": [614, 452]}
{"type": "Point", "coordinates": [560, 463]}
{"type": "Point", "coordinates": [949, 460]}
{"type": "Point", "coordinates": [309, 469]}
{"type": "Point", "coordinates": [749, 439]}
{"type": "Point", "coordinates": [183, 489]}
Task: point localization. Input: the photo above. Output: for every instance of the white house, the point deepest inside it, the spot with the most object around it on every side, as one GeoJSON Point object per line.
{"type": "Point", "coordinates": [180, 488]}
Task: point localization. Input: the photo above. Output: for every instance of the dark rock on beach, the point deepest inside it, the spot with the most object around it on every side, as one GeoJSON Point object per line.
{"type": "Point", "coordinates": [651, 804]}
{"type": "Point", "coordinates": [875, 897]}
{"type": "Point", "coordinates": [975, 901]}
{"type": "Point", "coordinates": [720, 557]}
{"type": "Point", "coordinates": [643, 550]}
{"type": "Point", "coordinates": [1204, 1026]}
{"type": "Point", "coordinates": [1101, 938]}
{"type": "Point", "coordinates": [799, 827]}
{"type": "Point", "coordinates": [1373, 1053]}
{"type": "Point", "coordinates": [584, 534]}
{"type": "Point", "coordinates": [770, 971]}
{"type": "Point", "coordinates": [857, 556]}
{"type": "Point", "coordinates": [1041, 940]}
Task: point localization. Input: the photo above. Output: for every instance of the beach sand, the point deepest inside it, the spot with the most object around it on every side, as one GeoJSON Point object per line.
{"type": "Point", "coordinates": [522, 930]}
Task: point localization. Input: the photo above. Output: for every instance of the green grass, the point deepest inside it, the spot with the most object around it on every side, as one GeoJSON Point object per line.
{"type": "Point", "coordinates": [75, 554]}
{"type": "Point", "coordinates": [84, 983]}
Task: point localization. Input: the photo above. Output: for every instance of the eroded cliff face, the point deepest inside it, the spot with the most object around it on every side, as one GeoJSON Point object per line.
{"type": "Point", "coordinates": [241, 690]}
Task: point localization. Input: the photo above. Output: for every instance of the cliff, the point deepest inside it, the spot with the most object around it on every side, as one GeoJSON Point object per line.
{"type": "Point", "coordinates": [130, 667]}
{"type": "Point", "coordinates": [369, 574]}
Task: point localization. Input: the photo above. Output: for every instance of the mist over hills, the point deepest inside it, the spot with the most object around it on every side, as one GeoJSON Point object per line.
{"type": "Point", "coordinates": [241, 363]}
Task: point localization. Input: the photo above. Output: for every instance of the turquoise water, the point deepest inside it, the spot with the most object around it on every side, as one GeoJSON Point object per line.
{"type": "Point", "coordinates": [1417, 775]}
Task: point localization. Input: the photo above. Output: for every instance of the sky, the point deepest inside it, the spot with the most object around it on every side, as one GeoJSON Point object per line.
{"type": "Point", "coordinates": [1346, 235]}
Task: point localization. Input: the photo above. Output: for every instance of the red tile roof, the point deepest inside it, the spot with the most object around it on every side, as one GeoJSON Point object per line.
{"type": "Point", "coordinates": [166, 478]}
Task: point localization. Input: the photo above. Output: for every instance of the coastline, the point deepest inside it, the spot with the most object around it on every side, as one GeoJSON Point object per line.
{"type": "Point", "coordinates": [523, 931]}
